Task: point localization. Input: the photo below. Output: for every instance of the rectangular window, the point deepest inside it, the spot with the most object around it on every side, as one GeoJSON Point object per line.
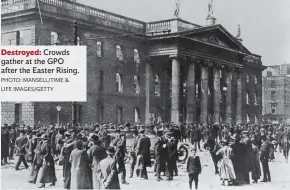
{"type": "Point", "coordinates": [18, 113]}
{"type": "Point", "coordinates": [119, 114]}
{"type": "Point", "coordinates": [137, 84]}
{"type": "Point", "coordinates": [136, 56]}
{"type": "Point", "coordinates": [119, 53]}
{"type": "Point", "coordinates": [101, 113]}
{"type": "Point", "coordinates": [273, 83]}
{"type": "Point", "coordinates": [99, 49]}
{"type": "Point", "coordinates": [53, 38]}
{"type": "Point", "coordinates": [273, 95]}
{"type": "Point", "coordinates": [101, 88]}
{"type": "Point", "coordinates": [273, 108]}
{"type": "Point", "coordinates": [119, 83]}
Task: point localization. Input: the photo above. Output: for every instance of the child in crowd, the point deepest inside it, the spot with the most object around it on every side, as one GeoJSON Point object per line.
{"type": "Point", "coordinates": [193, 167]}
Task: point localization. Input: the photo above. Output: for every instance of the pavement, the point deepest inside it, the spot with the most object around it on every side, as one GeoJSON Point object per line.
{"type": "Point", "coordinates": [280, 173]}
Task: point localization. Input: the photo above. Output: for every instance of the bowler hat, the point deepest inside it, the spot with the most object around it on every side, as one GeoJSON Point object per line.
{"type": "Point", "coordinates": [110, 150]}
{"type": "Point", "coordinates": [141, 130]}
{"type": "Point", "coordinates": [94, 138]}
{"type": "Point", "coordinates": [67, 134]}
{"type": "Point", "coordinates": [44, 137]}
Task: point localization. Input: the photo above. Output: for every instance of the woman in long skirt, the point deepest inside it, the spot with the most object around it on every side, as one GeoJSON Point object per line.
{"type": "Point", "coordinates": [225, 165]}
{"type": "Point", "coordinates": [286, 147]}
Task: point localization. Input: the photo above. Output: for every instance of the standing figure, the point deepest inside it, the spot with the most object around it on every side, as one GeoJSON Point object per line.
{"type": "Point", "coordinates": [4, 145]}
{"type": "Point", "coordinates": [133, 154]}
{"type": "Point", "coordinates": [160, 154]}
{"type": "Point", "coordinates": [226, 168]}
{"type": "Point", "coordinates": [256, 171]}
{"type": "Point", "coordinates": [108, 171]}
{"type": "Point", "coordinates": [193, 168]}
{"type": "Point", "coordinates": [20, 144]}
{"type": "Point", "coordinates": [37, 160]}
{"type": "Point", "coordinates": [172, 155]}
{"type": "Point", "coordinates": [120, 143]}
{"type": "Point", "coordinates": [80, 170]}
{"type": "Point", "coordinates": [143, 153]}
{"type": "Point", "coordinates": [264, 158]}
{"type": "Point", "coordinates": [96, 153]}
{"type": "Point", "coordinates": [285, 147]}
{"type": "Point", "coordinates": [213, 147]}
{"type": "Point", "coordinates": [47, 170]}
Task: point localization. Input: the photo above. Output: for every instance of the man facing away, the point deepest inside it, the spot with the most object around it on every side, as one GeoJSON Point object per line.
{"type": "Point", "coordinates": [264, 158]}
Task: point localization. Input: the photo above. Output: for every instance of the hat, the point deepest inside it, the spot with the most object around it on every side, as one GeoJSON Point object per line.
{"type": "Point", "coordinates": [22, 131]}
{"type": "Point", "coordinates": [117, 130]}
{"type": "Point", "coordinates": [245, 131]}
{"type": "Point", "coordinates": [67, 134]}
{"type": "Point", "coordinates": [110, 150]}
{"type": "Point", "coordinates": [94, 138]}
{"type": "Point", "coordinates": [97, 129]}
{"type": "Point", "coordinates": [127, 124]}
{"type": "Point", "coordinates": [141, 130]}
{"type": "Point", "coordinates": [44, 137]}
{"type": "Point", "coordinates": [38, 136]}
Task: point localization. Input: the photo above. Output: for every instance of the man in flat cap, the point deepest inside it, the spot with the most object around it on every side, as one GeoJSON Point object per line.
{"type": "Point", "coordinates": [160, 151]}
{"type": "Point", "coordinates": [172, 154]}
{"type": "Point", "coordinates": [264, 158]}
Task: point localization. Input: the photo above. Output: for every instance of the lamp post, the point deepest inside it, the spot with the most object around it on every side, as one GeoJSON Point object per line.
{"type": "Point", "coordinates": [224, 102]}
{"type": "Point", "coordinates": [58, 108]}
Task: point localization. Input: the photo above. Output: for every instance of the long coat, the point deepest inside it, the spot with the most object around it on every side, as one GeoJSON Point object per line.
{"type": "Point", "coordinates": [80, 171]}
{"type": "Point", "coordinates": [20, 145]}
{"type": "Point", "coordinates": [109, 174]}
{"type": "Point", "coordinates": [30, 147]}
{"type": "Point", "coordinates": [239, 161]}
{"type": "Point", "coordinates": [143, 152]}
{"type": "Point", "coordinates": [96, 154]}
{"type": "Point", "coordinates": [5, 143]}
{"type": "Point", "coordinates": [256, 171]}
{"type": "Point", "coordinates": [160, 153]}
{"type": "Point", "coordinates": [47, 170]}
{"type": "Point", "coordinates": [249, 154]}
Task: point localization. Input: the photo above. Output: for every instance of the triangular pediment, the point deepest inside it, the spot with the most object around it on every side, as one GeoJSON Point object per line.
{"type": "Point", "coordinates": [217, 35]}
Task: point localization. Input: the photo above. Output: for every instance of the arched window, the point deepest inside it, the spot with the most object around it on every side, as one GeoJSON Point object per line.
{"type": "Point", "coordinates": [157, 85]}
{"type": "Point", "coordinates": [119, 83]}
{"type": "Point", "coordinates": [137, 84]}
{"type": "Point", "coordinates": [136, 56]}
{"type": "Point", "coordinates": [255, 99]}
{"type": "Point", "coordinates": [137, 115]}
{"type": "Point", "coordinates": [248, 119]}
{"type": "Point", "coordinates": [256, 80]}
{"type": "Point", "coordinates": [247, 98]}
{"type": "Point", "coordinates": [256, 119]}
{"type": "Point", "coordinates": [247, 78]}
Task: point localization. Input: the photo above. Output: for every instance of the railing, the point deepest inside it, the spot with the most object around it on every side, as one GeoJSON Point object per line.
{"type": "Point", "coordinates": [159, 25]}
{"type": "Point", "coordinates": [17, 5]}
{"type": "Point", "coordinates": [95, 12]}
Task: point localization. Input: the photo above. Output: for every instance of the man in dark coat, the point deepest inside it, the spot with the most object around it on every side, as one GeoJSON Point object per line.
{"type": "Point", "coordinates": [120, 143]}
{"type": "Point", "coordinates": [172, 154]}
{"type": "Point", "coordinates": [133, 154]}
{"type": "Point", "coordinates": [96, 153]}
{"type": "Point", "coordinates": [249, 156]}
{"type": "Point", "coordinates": [13, 136]}
{"type": "Point", "coordinates": [264, 158]}
{"type": "Point", "coordinates": [20, 144]}
{"type": "Point", "coordinates": [160, 153]}
{"type": "Point", "coordinates": [4, 144]}
{"type": "Point", "coordinates": [37, 160]}
{"type": "Point", "coordinates": [143, 153]}
{"type": "Point", "coordinates": [213, 147]}
{"type": "Point", "coordinates": [196, 137]}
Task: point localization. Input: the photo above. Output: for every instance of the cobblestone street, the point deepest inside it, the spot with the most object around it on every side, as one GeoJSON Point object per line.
{"type": "Point", "coordinates": [280, 172]}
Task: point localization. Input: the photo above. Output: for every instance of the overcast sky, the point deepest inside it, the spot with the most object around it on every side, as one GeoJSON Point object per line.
{"type": "Point", "coordinates": [265, 24]}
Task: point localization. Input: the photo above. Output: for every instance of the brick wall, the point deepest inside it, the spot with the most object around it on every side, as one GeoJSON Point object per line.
{"type": "Point", "coordinates": [7, 113]}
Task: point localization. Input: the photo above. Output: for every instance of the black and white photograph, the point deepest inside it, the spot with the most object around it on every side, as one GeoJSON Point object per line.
{"type": "Point", "coordinates": [181, 95]}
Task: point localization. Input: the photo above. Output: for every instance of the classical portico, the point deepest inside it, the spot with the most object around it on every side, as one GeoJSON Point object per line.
{"type": "Point", "coordinates": [205, 65]}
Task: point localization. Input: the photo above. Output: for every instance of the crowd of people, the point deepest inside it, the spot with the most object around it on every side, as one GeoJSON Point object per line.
{"type": "Point", "coordinates": [93, 156]}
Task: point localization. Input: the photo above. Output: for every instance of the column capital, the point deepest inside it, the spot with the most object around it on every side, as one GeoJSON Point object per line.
{"type": "Point", "coordinates": [229, 68]}
{"type": "Point", "coordinates": [178, 57]}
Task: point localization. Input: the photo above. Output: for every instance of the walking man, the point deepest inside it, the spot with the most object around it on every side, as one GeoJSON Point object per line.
{"type": "Point", "coordinates": [20, 144]}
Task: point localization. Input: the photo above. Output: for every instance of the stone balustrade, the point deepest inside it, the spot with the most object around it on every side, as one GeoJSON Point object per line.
{"type": "Point", "coordinates": [10, 6]}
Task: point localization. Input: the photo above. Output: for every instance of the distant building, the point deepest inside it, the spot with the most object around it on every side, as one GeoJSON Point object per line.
{"type": "Point", "coordinates": [165, 71]}
{"type": "Point", "coordinates": [276, 94]}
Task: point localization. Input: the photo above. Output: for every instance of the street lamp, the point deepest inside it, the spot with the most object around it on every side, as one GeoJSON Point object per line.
{"type": "Point", "coordinates": [58, 108]}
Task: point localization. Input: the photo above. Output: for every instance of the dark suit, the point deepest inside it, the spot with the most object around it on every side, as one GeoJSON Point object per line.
{"type": "Point", "coordinates": [264, 157]}
{"type": "Point", "coordinates": [20, 151]}
{"type": "Point", "coordinates": [160, 155]}
{"type": "Point", "coordinates": [193, 167]}
{"type": "Point", "coordinates": [143, 152]}
{"type": "Point", "coordinates": [172, 157]}
{"type": "Point", "coordinates": [36, 163]}
{"type": "Point", "coordinates": [195, 137]}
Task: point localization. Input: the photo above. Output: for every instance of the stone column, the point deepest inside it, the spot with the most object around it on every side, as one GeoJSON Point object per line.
{"type": "Point", "coordinates": [239, 98]}
{"type": "Point", "coordinates": [148, 87]}
{"type": "Point", "coordinates": [217, 95]}
{"type": "Point", "coordinates": [204, 94]}
{"type": "Point", "coordinates": [175, 97]}
{"type": "Point", "coordinates": [228, 102]}
{"type": "Point", "coordinates": [191, 96]}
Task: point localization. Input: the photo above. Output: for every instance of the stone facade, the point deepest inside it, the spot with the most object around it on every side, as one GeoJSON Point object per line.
{"type": "Point", "coordinates": [182, 71]}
